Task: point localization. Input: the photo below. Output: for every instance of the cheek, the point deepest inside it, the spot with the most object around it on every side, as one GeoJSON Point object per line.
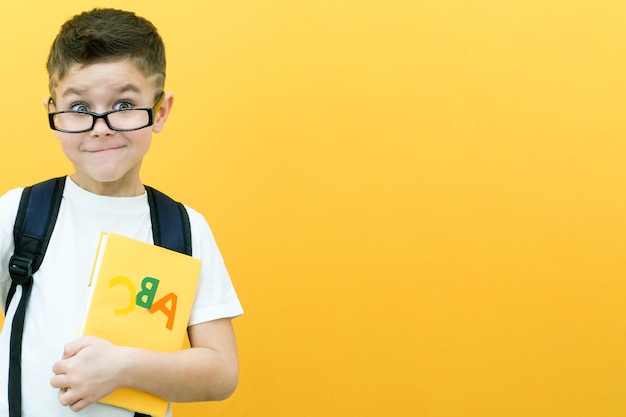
{"type": "Point", "coordinates": [69, 143]}
{"type": "Point", "coordinates": [140, 140]}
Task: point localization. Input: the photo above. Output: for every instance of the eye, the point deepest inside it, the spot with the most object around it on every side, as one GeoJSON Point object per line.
{"type": "Point", "coordinates": [123, 105]}
{"type": "Point", "coordinates": [79, 107]}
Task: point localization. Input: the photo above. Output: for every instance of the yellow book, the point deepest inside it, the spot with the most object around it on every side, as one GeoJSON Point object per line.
{"type": "Point", "coordinates": [140, 295]}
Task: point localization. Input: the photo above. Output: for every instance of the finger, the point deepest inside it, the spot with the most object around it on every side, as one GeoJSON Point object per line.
{"type": "Point", "coordinates": [59, 381]}
{"type": "Point", "coordinates": [72, 348]}
{"type": "Point", "coordinates": [79, 405]}
{"type": "Point", "coordinates": [75, 399]}
{"type": "Point", "coordinates": [59, 368]}
{"type": "Point", "coordinates": [67, 397]}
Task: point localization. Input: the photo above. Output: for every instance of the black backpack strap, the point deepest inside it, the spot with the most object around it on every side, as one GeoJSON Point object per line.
{"type": "Point", "coordinates": [170, 222]}
{"type": "Point", "coordinates": [170, 226]}
{"type": "Point", "coordinates": [36, 216]}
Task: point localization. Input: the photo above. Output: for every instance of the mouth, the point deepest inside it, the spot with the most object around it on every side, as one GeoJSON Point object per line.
{"type": "Point", "coordinates": [104, 150]}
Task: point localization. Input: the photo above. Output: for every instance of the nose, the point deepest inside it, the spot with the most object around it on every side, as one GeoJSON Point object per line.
{"type": "Point", "coordinates": [101, 128]}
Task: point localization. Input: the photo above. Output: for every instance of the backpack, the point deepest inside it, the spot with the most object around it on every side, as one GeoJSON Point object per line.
{"type": "Point", "coordinates": [34, 223]}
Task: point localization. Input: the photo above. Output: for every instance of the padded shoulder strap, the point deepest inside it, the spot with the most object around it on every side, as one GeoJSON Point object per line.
{"type": "Point", "coordinates": [36, 216]}
{"type": "Point", "coordinates": [170, 222]}
{"type": "Point", "coordinates": [170, 226]}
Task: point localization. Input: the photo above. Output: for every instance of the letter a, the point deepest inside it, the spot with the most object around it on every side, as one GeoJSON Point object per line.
{"type": "Point", "coordinates": [169, 312]}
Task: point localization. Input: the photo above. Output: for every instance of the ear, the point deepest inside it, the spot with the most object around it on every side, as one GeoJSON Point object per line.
{"type": "Point", "coordinates": [47, 102]}
{"type": "Point", "coordinates": [160, 117]}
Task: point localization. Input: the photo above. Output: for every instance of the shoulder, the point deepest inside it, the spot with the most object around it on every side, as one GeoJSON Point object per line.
{"type": "Point", "coordinates": [200, 229]}
{"type": "Point", "coordinates": [203, 241]}
{"type": "Point", "coordinates": [9, 203]}
{"type": "Point", "coordinates": [196, 218]}
{"type": "Point", "coordinates": [12, 195]}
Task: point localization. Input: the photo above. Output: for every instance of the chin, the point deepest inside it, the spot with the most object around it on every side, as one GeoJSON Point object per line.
{"type": "Point", "coordinates": [105, 177]}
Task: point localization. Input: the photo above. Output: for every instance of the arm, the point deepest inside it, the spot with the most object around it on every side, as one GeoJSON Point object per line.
{"type": "Point", "coordinates": [93, 368]}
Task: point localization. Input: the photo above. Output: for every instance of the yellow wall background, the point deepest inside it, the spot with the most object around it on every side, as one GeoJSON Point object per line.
{"type": "Point", "coordinates": [421, 203]}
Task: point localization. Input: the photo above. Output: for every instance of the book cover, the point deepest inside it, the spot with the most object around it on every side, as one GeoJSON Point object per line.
{"type": "Point", "coordinates": [140, 295]}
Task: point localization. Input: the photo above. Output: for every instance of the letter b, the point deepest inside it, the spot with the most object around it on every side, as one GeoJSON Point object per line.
{"type": "Point", "coordinates": [145, 297]}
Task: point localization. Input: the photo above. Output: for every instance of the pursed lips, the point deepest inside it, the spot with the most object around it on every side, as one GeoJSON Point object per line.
{"type": "Point", "coordinates": [108, 148]}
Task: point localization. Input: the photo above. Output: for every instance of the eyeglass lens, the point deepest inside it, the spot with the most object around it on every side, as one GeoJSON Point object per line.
{"type": "Point", "coordinates": [122, 120]}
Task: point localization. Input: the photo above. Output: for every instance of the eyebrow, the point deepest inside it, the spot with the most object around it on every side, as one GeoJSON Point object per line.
{"type": "Point", "coordinates": [72, 91]}
{"type": "Point", "coordinates": [123, 89]}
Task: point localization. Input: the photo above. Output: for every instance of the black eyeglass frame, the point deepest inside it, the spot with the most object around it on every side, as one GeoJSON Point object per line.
{"type": "Point", "coordinates": [95, 116]}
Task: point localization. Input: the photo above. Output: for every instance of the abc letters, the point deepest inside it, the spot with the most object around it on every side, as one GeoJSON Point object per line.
{"type": "Point", "coordinates": [145, 298]}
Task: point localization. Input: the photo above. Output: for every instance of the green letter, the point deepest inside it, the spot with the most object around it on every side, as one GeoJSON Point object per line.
{"type": "Point", "coordinates": [149, 287]}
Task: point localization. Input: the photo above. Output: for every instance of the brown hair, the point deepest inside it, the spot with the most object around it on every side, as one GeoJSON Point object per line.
{"type": "Point", "coordinates": [106, 35]}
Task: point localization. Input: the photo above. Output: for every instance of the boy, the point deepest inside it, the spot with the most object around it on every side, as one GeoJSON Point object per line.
{"type": "Point", "coordinates": [101, 63]}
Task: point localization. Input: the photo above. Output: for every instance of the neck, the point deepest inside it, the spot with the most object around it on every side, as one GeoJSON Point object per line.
{"type": "Point", "coordinates": [119, 188]}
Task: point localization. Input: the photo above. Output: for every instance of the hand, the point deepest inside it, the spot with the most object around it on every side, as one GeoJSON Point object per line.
{"type": "Point", "coordinates": [88, 371]}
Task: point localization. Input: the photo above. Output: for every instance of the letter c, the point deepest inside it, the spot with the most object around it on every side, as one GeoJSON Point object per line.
{"type": "Point", "coordinates": [126, 282]}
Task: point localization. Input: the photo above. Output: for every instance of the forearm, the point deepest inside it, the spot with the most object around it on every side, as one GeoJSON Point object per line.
{"type": "Point", "coordinates": [208, 371]}
{"type": "Point", "coordinates": [195, 374]}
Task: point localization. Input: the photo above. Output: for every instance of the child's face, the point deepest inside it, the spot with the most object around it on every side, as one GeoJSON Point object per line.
{"type": "Point", "coordinates": [107, 159]}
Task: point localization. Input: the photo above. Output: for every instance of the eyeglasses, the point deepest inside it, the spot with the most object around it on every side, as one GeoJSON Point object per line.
{"type": "Point", "coordinates": [70, 121]}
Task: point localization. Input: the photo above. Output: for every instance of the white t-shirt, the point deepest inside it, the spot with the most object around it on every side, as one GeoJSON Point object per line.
{"type": "Point", "coordinates": [59, 287]}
